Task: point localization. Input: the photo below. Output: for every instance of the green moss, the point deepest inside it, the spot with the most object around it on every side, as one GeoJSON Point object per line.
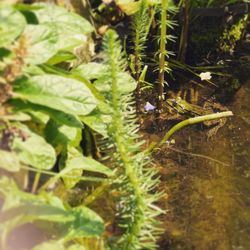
{"type": "Point", "coordinates": [231, 35]}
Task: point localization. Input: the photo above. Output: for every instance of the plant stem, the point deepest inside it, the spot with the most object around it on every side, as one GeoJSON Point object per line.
{"type": "Point", "coordinates": [184, 32]}
{"type": "Point", "coordinates": [180, 125]}
{"type": "Point", "coordinates": [96, 193]}
{"type": "Point", "coordinates": [160, 91]}
{"type": "Point", "coordinates": [36, 182]}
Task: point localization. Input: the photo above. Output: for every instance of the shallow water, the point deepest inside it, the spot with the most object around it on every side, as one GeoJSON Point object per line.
{"type": "Point", "coordinates": [209, 190]}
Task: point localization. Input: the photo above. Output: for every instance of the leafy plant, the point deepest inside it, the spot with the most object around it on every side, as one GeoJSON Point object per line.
{"type": "Point", "coordinates": [166, 7]}
{"type": "Point", "coordinates": [42, 108]}
{"type": "Point", "coordinates": [232, 35]}
{"type": "Point", "coordinates": [140, 27]}
{"type": "Point", "coordinates": [45, 111]}
{"type": "Point", "coordinates": [135, 175]}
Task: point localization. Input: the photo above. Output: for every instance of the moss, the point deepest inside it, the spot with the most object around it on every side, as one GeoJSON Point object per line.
{"type": "Point", "coordinates": [232, 35]}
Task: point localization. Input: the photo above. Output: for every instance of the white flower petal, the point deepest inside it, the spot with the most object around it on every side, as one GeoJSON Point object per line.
{"type": "Point", "coordinates": [205, 76]}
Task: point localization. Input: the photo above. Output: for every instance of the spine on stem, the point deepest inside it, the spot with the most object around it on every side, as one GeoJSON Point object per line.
{"type": "Point", "coordinates": [162, 54]}
{"type": "Point", "coordinates": [135, 175]}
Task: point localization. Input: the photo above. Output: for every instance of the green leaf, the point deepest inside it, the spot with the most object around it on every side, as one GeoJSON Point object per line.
{"type": "Point", "coordinates": [91, 70]}
{"type": "Point", "coordinates": [50, 245]}
{"type": "Point", "coordinates": [98, 122]}
{"type": "Point", "coordinates": [57, 92]}
{"type": "Point", "coordinates": [61, 56]}
{"type": "Point", "coordinates": [76, 163]}
{"type": "Point", "coordinates": [58, 134]}
{"type": "Point", "coordinates": [34, 150]}
{"type": "Point", "coordinates": [42, 43]}
{"type": "Point", "coordinates": [12, 23]}
{"type": "Point", "coordinates": [126, 83]}
{"type": "Point", "coordinates": [71, 28]}
{"type": "Point", "coordinates": [58, 71]}
{"type": "Point", "coordinates": [58, 116]}
{"type": "Point", "coordinates": [86, 224]}
{"type": "Point", "coordinates": [21, 208]}
{"type": "Point", "coordinates": [76, 247]}
{"type": "Point", "coordinates": [17, 116]}
{"type": "Point", "coordinates": [9, 161]}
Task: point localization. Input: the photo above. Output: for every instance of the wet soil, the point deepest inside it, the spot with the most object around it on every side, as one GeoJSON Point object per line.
{"type": "Point", "coordinates": [207, 184]}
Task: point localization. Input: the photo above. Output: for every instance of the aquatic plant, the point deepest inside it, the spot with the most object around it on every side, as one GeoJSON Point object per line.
{"type": "Point", "coordinates": [140, 28]}
{"type": "Point", "coordinates": [166, 8]}
{"type": "Point", "coordinates": [135, 175]}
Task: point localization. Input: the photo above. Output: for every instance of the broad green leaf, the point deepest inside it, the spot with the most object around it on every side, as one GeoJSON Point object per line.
{"type": "Point", "coordinates": [17, 116]}
{"type": "Point", "coordinates": [91, 70]}
{"type": "Point", "coordinates": [42, 43]}
{"type": "Point", "coordinates": [86, 224]}
{"type": "Point", "coordinates": [58, 71]}
{"type": "Point", "coordinates": [16, 198]}
{"type": "Point", "coordinates": [58, 116]}
{"type": "Point", "coordinates": [22, 207]}
{"type": "Point", "coordinates": [129, 7]}
{"type": "Point", "coordinates": [71, 28]}
{"type": "Point", "coordinates": [12, 23]}
{"type": "Point", "coordinates": [76, 163]}
{"type": "Point", "coordinates": [76, 247]}
{"type": "Point", "coordinates": [57, 92]}
{"type": "Point", "coordinates": [32, 70]}
{"type": "Point", "coordinates": [9, 161]}
{"type": "Point", "coordinates": [61, 56]}
{"type": "Point", "coordinates": [126, 83]}
{"type": "Point", "coordinates": [68, 170]}
{"type": "Point", "coordinates": [57, 134]}
{"type": "Point", "coordinates": [34, 150]}
{"type": "Point", "coordinates": [50, 245]}
{"type": "Point", "coordinates": [98, 122]}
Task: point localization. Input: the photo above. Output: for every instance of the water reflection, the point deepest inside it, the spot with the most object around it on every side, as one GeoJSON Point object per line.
{"type": "Point", "coordinates": [209, 202]}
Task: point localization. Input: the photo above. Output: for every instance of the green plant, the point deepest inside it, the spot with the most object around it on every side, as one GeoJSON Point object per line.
{"type": "Point", "coordinates": [166, 8]}
{"type": "Point", "coordinates": [140, 27]}
{"type": "Point", "coordinates": [135, 175]}
{"type": "Point", "coordinates": [232, 35]}
{"type": "Point", "coordinates": [41, 111]}
{"type": "Point", "coordinates": [44, 109]}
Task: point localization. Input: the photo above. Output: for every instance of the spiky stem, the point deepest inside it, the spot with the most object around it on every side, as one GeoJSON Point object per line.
{"type": "Point", "coordinates": [140, 28]}
{"type": "Point", "coordinates": [160, 90]}
{"type": "Point", "coordinates": [133, 180]}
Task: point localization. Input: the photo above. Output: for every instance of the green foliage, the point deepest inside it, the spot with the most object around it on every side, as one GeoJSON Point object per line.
{"type": "Point", "coordinates": [134, 175]}
{"type": "Point", "coordinates": [232, 35]}
{"type": "Point", "coordinates": [42, 43]}
{"type": "Point", "coordinates": [33, 150]}
{"type": "Point", "coordinates": [12, 23]}
{"type": "Point", "coordinates": [68, 95]}
{"type": "Point", "coordinates": [71, 28]}
{"type": "Point", "coordinates": [9, 161]}
{"type": "Point", "coordinates": [43, 108]}
{"type": "Point", "coordinates": [42, 124]}
{"type": "Point", "coordinates": [20, 208]}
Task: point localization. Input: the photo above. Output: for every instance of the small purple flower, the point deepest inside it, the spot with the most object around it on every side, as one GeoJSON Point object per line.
{"type": "Point", "coordinates": [149, 107]}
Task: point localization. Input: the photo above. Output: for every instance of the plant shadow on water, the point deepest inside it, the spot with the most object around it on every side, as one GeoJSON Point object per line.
{"type": "Point", "coordinates": [208, 202]}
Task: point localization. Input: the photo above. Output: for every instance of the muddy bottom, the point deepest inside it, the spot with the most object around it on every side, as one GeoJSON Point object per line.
{"type": "Point", "coordinates": [208, 184]}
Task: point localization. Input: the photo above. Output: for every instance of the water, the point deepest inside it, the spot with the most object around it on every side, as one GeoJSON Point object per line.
{"type": "Point", "coordinates": [208, 182]}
